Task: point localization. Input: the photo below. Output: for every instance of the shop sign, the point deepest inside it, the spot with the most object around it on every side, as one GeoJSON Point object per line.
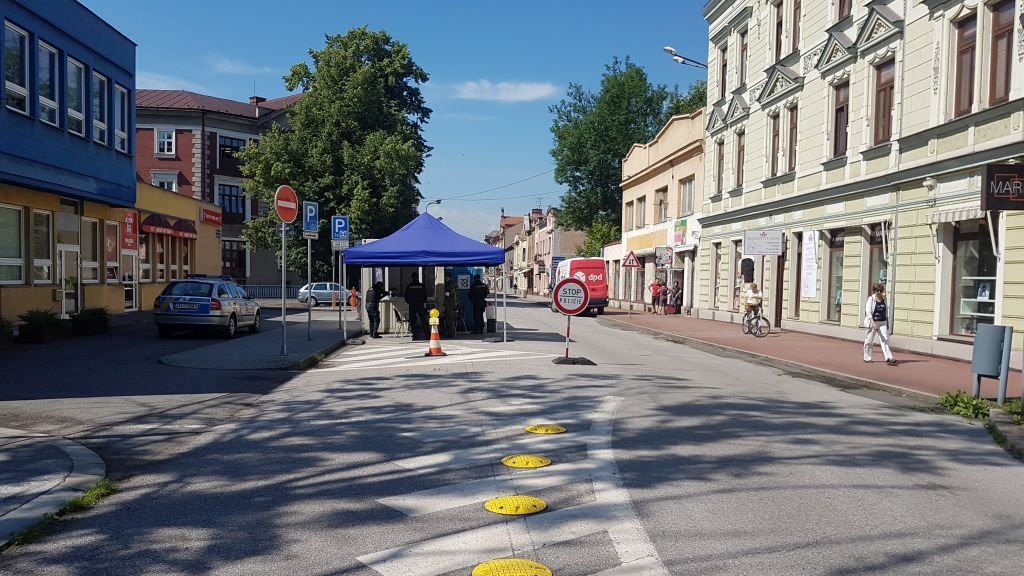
{"type": "Point", "coordinates": [679, 232]}
{"type": "Point", "coordinates": [211, 217]}
{"type": "Point", "coordinates": [1003, 187]}
{"type": "Point", "coordinates": [663, 257]}
{"type": "Point", "coordinates": [809, 266]}
{"type": "Point", "coordinates": [762, 243]}
{"type": "Point", "coordinates": [130, 236]}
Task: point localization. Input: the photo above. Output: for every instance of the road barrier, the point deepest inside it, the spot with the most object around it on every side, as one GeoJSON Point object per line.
{"type": "Point", "coordinates": [270, 292]}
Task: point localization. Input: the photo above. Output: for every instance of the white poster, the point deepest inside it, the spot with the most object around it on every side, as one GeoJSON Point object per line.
{"type": "Point", "coordinates": [809, 265]}
{"type": "Point", "coordinates": [762, 243]}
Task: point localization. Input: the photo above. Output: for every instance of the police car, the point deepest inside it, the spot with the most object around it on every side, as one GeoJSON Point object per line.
{"type": "Point", "coordinates": [201, 302]}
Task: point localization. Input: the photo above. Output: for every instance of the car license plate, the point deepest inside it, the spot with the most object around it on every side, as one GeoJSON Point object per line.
{"type": "Point", "coordinates": [185, 306]}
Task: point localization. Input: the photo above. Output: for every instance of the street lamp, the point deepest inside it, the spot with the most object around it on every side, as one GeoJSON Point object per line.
{"type": "Point", "coordinates": [683, 59]}
{"type": "Point", "coordinates": [427, 209]}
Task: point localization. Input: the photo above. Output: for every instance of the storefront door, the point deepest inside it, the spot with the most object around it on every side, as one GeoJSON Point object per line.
{"type": "Point", "coordinates": [130, 280]}
{"type": "Point", "coordinates": [68, 273]}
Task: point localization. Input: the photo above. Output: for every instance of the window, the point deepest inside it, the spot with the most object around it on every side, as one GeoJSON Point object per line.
{"type": "Point", "coordinates": [773, 149]}
{"type": "Point", "coordinates": [120, 119]}
{"type": "Point", "coordinates": [741, 154]}
{"type": "Point", "coordinates": [834, 304]}
{"type": "Point", "coordinates": [629, 218]}
{"type": "Point", "coordinates": [42, 247]}
{"type": "Point", "coordinates": [99, 108]}
{"type": "Point", "coordinates": [16, 68]}
{"type": "Point", "coordinates": [743, 58]}
{"type": "Point", "coordinates": [840, 119]}
{"type": "Point", "coordinates": [49, 84]}
{"type": "Point", "coordinates": [76, 97]}
{"type": "Point", "coordinates": [737, 273]}
{"type": "Point", "coordinates": [974, 278]}
{"type": "Point", "coordinates": [160, 250]}
{"type": "Point", "coordinates": [641, 212]}
{"type": "Point", "coordinates": [723, 76]}
{"type": "Point", "coordinates": [794, 114]}
{"type": "Point", "coordinates": [1002, 43]}
{"type": "Point", "coordinates": [877, 273]}
{"type": "Point", "coordinates": [716, 274]}
{"type": "Point", "coordinates": [796, 25]}
{"type": "Point", "coordinates": [232, 203]}
{"type": "Point", "coordinates": [662, 196]}
{"type": "Point", "coordinates": [146, 257]}
{"type": "Point", "coordinates": [778, 31]}
{"type": "Point", "coordinates": [966, 41]}
{"type": "Point", "coordinates": [885, 78]}
{"type": "Point", "coordinates": [90, 251]}
{"type": "Point", "coordinates": [233, 258]}
{"type": "Point", "coordinates": [845, 7]}
{"type": "Point", "coordinates": [164, 142]}
{"type": "Point", "coordinates": [226, 159]}
{"type": "Point", "coordinates": [686, 195]}
{"type": "Point", "coordinates": [175, 251]}
{"type": "Point", "coordinates": [111, 249]}
{"type": "Point", "coordinates": [12, 253]}
{"type": "Point", "coordinates": [166, 180]}
{"type": "Point", "coordinates": [720, 167]}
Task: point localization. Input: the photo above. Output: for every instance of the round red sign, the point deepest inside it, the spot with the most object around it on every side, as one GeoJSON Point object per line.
{"type": "Point", "coordinates": [286, 202]}
{"type": "Point", "coordinates": [571, 296]}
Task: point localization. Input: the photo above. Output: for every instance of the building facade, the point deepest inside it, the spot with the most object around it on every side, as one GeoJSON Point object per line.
{"type": "Point", "coordinates": [187, 144]}
{"type": "Point", "coordinates": [551, 246]}
{"type": "Point", "coordinates": [863, 134]}
{"type": "Point", "coordinates": [67, 140]}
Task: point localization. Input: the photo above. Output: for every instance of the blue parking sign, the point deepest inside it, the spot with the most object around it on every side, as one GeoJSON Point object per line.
{"type": "Point", "coordinates": [339, 227]}
{"type": "Point", "coordinates": [310, 220]}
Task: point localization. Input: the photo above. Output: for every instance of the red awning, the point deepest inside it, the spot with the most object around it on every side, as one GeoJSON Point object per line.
{"type": "Point", "coordinates": [156, 224]}
{"type": "Point", "coordinates": [184, 229]}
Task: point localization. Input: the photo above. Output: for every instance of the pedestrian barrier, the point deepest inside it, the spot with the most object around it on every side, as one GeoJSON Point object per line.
{"type": "Point", "coordinates": [269, 291]}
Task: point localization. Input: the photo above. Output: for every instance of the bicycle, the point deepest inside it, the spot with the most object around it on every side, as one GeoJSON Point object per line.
{"type": "Point", "coordinates": [756, 324]}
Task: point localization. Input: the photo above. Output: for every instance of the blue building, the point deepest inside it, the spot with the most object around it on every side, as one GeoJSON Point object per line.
{"type": "Point", "coordinates": [67, 170]}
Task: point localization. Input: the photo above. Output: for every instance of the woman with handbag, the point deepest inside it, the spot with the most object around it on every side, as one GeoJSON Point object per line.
{"type": "Point", "coordinates": [876, 320]}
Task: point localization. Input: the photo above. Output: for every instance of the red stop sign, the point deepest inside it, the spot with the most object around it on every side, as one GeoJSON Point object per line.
{"type": "Point", "coordinates": [286, 202]}
{"type": "Point", "coordinates": [571, 297]}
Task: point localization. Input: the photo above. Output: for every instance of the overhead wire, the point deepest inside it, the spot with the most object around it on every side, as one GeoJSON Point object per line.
{"type": "Point", "coordinates": [493, 189]}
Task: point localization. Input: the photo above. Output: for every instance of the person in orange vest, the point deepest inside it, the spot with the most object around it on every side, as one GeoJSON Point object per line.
{"type": "Point", "coordinates": [353, 297]}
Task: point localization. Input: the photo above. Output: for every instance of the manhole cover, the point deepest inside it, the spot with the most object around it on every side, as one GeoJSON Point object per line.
{"type": "Point", "coordinates": [545, 429]}
{"type": "Point", "coordinates": [525, 461]}
{"type": "Point", "coordinates": [513, 567]}
{"type": "Point", "coordinates": [515, 505]}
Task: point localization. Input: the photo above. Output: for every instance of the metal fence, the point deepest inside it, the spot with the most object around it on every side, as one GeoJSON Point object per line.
{"type": "Point", "coordinates": [270, 291]}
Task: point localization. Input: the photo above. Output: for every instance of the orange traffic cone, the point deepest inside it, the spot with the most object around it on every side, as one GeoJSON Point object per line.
{"type": "Point", "coordinates": [435, 342]}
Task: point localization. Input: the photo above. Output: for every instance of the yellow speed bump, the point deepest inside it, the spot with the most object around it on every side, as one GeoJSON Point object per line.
{"type": "Point", "coordinates": [545, 429]}
{"type": "Point", "coordinates": [525, 461]}
{"type": "Point", "coordinates": [515, 505]}
{"type": "Point", "coordinates": [514, 567]}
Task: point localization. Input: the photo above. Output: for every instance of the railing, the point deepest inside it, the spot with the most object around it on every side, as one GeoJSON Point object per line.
{"type": "Point", "coordinates": [270, 291]}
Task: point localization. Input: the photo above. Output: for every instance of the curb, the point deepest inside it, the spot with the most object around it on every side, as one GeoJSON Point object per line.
{"type": "Point", "coordinates": [87, 469]}
{"type": "Point", "coordinates": [838, 379]}
{"type": "Point", "coordinates": [313, 360]}
{"type": "Point", "coordinates": [1014, 434]}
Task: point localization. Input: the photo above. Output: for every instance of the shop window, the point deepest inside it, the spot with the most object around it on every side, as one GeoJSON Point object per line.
{"type": "Point", "coordinates": [42, 247]}
{"type": "Point", "coordinates": [49, 83]}
{"type": "Point", "coordinates": [877, 271]}
{"type": "Point", "coordinates": [76, 97]}
{"type": "Point", "coordinates": [160, 254]}
{"type": "Point", "coordinates": [146, 258]}
{"type": "Point", "coordinates": [233, 258]}
{"type": "Point", "coordinates": [232, 203]}
{"type": "Point", "coordinates": [974, 278]}
{"type": "Point", "coordinates": [90, 251]}
{"type": "Point", "coordinates": [716, 273]}
{"type": "Point", "coordinates": [99, 108]}
{"type": "Point", "coordinates": [834, 303]}
{"type": "Point", "coordinates": [111, 249]}
{"type": "Point", "coordinates": [16, 68]}
{"type": "Point", "coordinates": [186, 256]}
{"type": "Point", "coordinates": [12, 252]}
{"type": "Point", "coordinates": [175, 253]}
{"type": "Point", "coordinates": [737, 273]}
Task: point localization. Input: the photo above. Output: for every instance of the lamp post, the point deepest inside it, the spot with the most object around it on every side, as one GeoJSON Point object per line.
{"type": "Point", "coordinates": [683, 59]}
{"type": "Point", "coordinates": [427, 209]}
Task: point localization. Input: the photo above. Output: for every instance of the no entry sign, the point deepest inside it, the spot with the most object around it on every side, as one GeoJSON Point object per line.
{"type": "Point", "coordinates": [286, 203]}
{"type": "Point", "coordinates": [571, 296]}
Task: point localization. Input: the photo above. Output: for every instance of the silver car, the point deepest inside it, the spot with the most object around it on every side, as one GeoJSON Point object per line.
{"type": "Point", "coordinates": [205, 303]}
{"type": "Point", "coordinates": [322, 292]}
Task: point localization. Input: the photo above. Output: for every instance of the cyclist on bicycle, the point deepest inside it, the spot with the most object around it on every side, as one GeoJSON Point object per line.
{"type": "Point", "coordinates": [753, 298]}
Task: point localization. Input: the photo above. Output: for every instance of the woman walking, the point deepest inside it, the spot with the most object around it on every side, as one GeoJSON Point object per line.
{"type": "Point", "coordinates": [876, 319]}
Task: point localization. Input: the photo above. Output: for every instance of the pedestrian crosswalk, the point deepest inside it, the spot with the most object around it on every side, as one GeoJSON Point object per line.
{"type": "Point", "coordinates": [407, 355]}
{"type": "Point", "coordinates": [610, 511]}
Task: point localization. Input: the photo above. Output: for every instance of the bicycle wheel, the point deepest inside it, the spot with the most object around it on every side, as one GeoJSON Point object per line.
{"type": "Point", "coordinates": [746, 322]}
{"type": "Point", "coordinates": [761, 327]}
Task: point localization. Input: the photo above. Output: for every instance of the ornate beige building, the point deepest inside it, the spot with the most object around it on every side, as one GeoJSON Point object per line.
{"type": "Point", "coordinates": [861, 132]}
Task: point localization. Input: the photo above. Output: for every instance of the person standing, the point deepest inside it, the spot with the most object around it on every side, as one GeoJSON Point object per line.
{"type": "Point", "coordinates": [663, 298]}
{"type": "Point", "coordinates": [478, 296]}
{"type": "Point", "coordinates": [373, 297]}
{"type": "Point", "coordinates": [416, 298]}
{"type": "Point", "coordinates": [655, 295]}
{"type": "Point", "coordinates": [676, 297]}
{"type": "Point", "coordinates": [876, 319]}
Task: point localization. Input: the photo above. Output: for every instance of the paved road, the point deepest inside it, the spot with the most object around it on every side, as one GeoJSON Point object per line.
{"type": "Point", "coordinates": [674, 462]}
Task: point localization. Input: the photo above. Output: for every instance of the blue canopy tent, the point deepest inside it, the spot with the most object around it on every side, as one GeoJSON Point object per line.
{"type": "Point", "coordinates": [425, 242]}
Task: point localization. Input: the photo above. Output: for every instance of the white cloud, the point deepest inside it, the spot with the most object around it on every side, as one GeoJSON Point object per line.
{"type": "Point", "coordinates": [505, 91]}
{"type": "Point", "coordinates": [155, 81]}
{"type": "Point", "coordinates": [224, 65]}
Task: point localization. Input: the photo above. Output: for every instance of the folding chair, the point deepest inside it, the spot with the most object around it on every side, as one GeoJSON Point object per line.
{"type": "Point", "coordinates": [401, 324]}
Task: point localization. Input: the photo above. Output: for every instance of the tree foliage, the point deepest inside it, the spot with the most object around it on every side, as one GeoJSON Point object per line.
{"type": "Point", "coordinates": [696, 98]}
{"type": "Point", "coordinates": [353, 144]}
{"type": "Point", "coordinates": [599, 234]}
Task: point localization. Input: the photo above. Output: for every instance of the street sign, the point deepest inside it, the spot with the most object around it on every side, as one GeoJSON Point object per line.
{"type": "Point", "coordinates": [310, 220]}
{"type": "Point", "coordinates": [286, 203]}
{"type": "Point", "coordinates": [339, 245]}
{"type": "Point", "coordinates": [571, 296]}
{"type": "Point", "coordinates": [631, 261]}
{"type": "Point", "coordinates": [339, 227]}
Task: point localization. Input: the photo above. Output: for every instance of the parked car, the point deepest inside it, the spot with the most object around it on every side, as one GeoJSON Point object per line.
{"type": "Point", "coordinates": [322, 292]}
{"type": "Point", "coordinates": [205, 303]}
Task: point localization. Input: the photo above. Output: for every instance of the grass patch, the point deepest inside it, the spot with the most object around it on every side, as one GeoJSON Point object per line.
{"type": "Point", "coordinates": [965, 405]}
{"type": "Point", "coordinates": [87, 500]}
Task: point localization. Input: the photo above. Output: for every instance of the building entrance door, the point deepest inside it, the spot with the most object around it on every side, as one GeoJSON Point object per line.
{"type": "Point", "coordinates": [68, 275]}
{"type": "Point", "coordinates": [130, 280]}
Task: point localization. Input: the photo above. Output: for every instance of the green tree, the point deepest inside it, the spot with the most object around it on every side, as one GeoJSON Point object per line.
{"type": "Point", "coordinates": [599, 234]}
{"type": "Point", "coordinates": [696, 98]}
{"type": "Point", "coordinates": [354, 144]}
{"type": "Point", "coordinates": [593, 133]}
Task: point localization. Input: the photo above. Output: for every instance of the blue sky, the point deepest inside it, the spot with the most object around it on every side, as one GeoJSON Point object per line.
{"type": "Point", "coordinates": [494, 68]}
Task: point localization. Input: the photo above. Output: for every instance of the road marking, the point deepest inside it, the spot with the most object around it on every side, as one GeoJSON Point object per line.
{"type": "Point", "coordinates": [504, 426]}
{"type": "Point", "coordinates": [489, 454]}
{"type": "Point", "coordinates": [454, 357]}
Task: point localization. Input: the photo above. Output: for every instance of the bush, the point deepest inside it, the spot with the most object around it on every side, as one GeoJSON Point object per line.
{"type": "Point", "coordinates": [6, 332]}
{"type": "Point", "coordinates": [90, 321]}
{"type": "Point", "coordinates": [964, 404]}
{"type": "Point", "coordinates": [43, 326]}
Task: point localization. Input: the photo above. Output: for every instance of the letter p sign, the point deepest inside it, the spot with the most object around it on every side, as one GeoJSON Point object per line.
{"type": "Point", "coordinates": [339, 227]}
{"type": "Point", "coordinates": [310, 220]}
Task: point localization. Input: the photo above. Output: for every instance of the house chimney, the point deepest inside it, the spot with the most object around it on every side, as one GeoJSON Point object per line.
{"type": "Point", "coordinates": [256, 100]}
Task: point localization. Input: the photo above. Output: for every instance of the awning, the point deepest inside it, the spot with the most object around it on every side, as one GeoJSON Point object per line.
{"type": "Point", "coordinates": [955, 214]}
{"type": "Point", "coordinates": [184, 229]}
{"type": "Point", "coordinates": [156, 224]}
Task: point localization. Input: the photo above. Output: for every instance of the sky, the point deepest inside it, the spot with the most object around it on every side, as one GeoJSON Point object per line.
{"type": "Point", "coordinates": [495, 69]}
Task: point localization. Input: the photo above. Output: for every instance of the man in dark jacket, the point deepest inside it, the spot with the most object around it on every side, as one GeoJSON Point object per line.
{"type": "Point", "coordinates": [416, 298]}
{"type": "Point", "coordinates": [373, 297]}
{"type": "Point", "coordinates": [478, 292]}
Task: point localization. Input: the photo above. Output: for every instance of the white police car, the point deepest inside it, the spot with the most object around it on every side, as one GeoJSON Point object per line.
{"type": "Point", "coordinates": [200, 302]}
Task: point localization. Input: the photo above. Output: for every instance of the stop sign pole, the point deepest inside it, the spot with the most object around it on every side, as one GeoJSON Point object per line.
{"type": "Point", "coordinates": [286, 204]}
{"type": "Point", "coordinates": [571, 298]}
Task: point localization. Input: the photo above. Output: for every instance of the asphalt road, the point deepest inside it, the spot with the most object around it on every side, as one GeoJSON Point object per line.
{"type": "Point", "coordinates": [674, 462]}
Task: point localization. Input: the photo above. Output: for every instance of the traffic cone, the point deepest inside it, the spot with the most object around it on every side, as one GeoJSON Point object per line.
{"type": "Point", "coordinates": [435, 343]}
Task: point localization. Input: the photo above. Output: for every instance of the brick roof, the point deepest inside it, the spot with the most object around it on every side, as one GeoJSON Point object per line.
{"type": "Point", "coordinates": [185, 100]}
{"type": "Point", "coordinates": [282, 102]}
